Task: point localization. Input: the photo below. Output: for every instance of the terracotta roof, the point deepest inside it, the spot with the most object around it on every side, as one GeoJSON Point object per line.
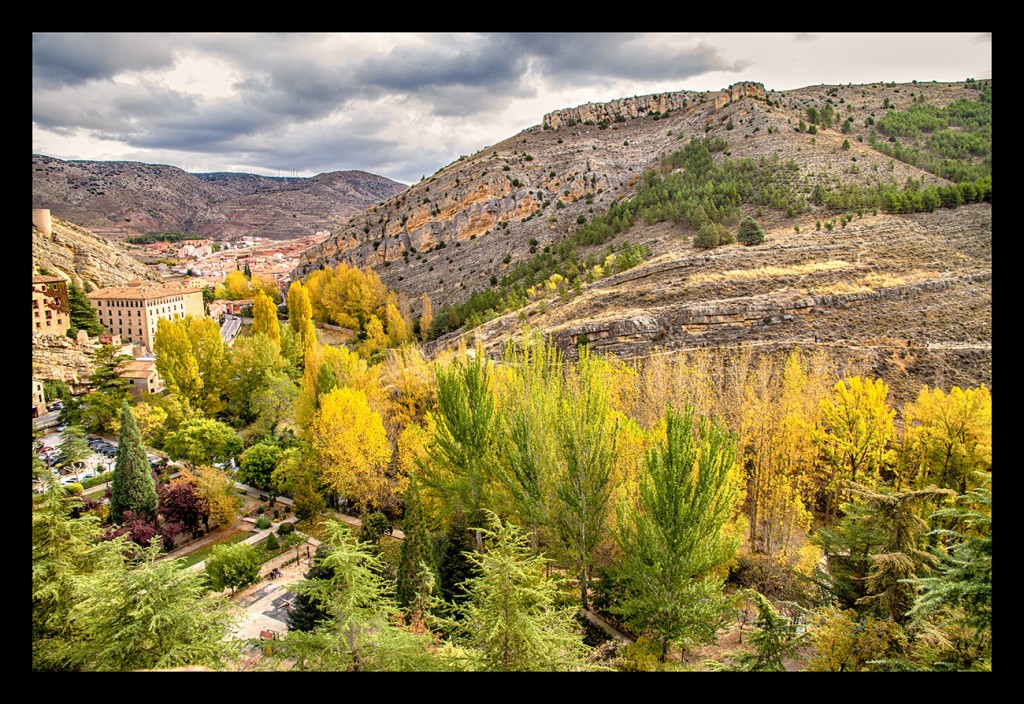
{"type": "Point", "coordinates": [142, 290]}
{"type": "Point", "coordinates": [46, 279]}
{"type": "Point", "coordinates": [139, 369]}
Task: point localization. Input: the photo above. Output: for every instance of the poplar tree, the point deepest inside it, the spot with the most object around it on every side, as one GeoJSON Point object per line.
{"type": "Point", "coordinates": [264, 318]}
{"type": "Point", "coordinates": [133, 487]}
{"type": "Point", "coordinates": [461, 458]}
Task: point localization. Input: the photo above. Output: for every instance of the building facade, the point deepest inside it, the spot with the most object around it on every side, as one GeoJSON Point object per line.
{"type": "Point", "coordinates": [132, 311]}
{"type": "Point", "coordinates": [38, 399]}
{"type": "Point", "coordinates": [144, 377]}
{"type": "Point", "coordinates": [51, 312]}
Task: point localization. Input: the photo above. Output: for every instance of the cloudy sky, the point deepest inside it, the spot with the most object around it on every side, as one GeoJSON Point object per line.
{"type": "Point", "coordinates": [404, 105]}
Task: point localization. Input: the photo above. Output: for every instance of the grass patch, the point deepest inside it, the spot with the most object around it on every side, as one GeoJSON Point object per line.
{"type": "Point", "coordinates": [871, 282]}
{"type": "Point", "coordinates": [202, 553]}
{"type": "Point", "coordinates": [766, 272]}
{"type": "Point", "coordinates": [315, 527]}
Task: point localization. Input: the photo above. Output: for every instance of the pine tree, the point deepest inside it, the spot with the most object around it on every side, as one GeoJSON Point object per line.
{"type": "Point", "coordinates": [751, 232]}
{"type": "Point", "coordinates": [673, 541]}
{"type": "Point", "coordinates": [415, 550]}
{"type": "Point", "coordinates": [133, 487]}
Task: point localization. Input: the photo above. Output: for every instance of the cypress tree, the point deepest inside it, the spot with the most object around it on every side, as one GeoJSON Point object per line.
{"type": "Point", "coordinates": [133, 487]}
{"type": "Point", "coordinates": [415, 548]}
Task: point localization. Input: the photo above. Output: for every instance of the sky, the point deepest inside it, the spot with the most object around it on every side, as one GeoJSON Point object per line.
{"type": "Point", "coordinates": [404, 105]}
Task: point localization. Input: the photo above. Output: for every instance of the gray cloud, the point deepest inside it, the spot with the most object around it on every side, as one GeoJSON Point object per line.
{"type": "Point", "coordinates": [565, 58]}
{"type": "Point", "coordinates": [69, 59]}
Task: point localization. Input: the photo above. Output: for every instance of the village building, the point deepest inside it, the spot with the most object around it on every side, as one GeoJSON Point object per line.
{"type": "Point", "coordinates": [132, 311]}
{"type": "Point", "coordinates": [51, 312]}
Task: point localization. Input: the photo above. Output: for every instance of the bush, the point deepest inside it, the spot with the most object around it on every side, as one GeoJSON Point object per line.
{"type": "Point", "coordinates": [263, 523]}
{"type": "Point", "coordinates": [74, 488]}
{"type": "Point", "coordinates": [285, 528]}
{"type": "Point", "coordinates": [271, 543]}
{"type": "Point", "coordinates": [750, 232]}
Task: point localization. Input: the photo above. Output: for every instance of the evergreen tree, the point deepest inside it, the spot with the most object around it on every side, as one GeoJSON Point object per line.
{"type": "Point", "coordinates": [673, 541]}
{"type": "Point", "coordinates": [450, 556]}
{"type": "Point", "coordinates": [133, 487]}
{"type": "Point", "coordinates": [776, 637]}
{"type": "Point", "coordinates": [83, 316]}
{"type": "Point", "coordinates": [305, 613]}
{"type": "Point", "coordinates": [415, 551]}
{"type": "Point", "coordinates": [512, 619]}
{"type": "Point", "coordinates": [750, 232]}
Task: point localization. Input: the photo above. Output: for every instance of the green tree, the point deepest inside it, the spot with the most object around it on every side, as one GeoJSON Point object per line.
{"type": "Point", "coordinates": [151, 614]}
{"type": "Point", "coordinates": [65, 548]}
{"type": "Point", "coordinates": [257, 464]}
{"type": "Point", "coordinates": [512, 620]}
{"type": "Point", "coordinates": [750, 232]}
{"type": "Point", "coordinates": [255, 364]}
{"type": "Point", "coordinates": [954, 607]}
{"type": "Point", "coordinates": [586, 437]}
{"type": "Point", "coordinates": [415, 575]}
{"type": "Point", "coordinates": [83, 315]}
{"type": "Point", "coordinates": [359, 633]}
{"type": "Point", "coordinates": [673, 541]}
{"type": "Point", "coordinates": [233, 566]}
{"type": "Point", "coordinates": [133, 487]}
{"type": "Point", "coordinates": [776, 637]}
{"type": "Point", "coordinates": [706, 237]}
{"type": "Point", "coordinates": [73, 447]}
{"type": "Point", "coordinates": [203, 441]}
{"type": "Point", "coordinates": [461, 458]}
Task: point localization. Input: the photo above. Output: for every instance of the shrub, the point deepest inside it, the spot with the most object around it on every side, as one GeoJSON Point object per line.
{"type": "Point", "coordinates": [271, 543]}
{"type": "Point", "coordinates": [285, 529]}
{"type": "Point", "coordinates": [750, 232]}
{"type": "Point", "coordinates": [74, 488]}
{"type": "Point", "coordinates": [263, 523]}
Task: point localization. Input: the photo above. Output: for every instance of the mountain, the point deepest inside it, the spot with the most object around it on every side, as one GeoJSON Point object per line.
{"type": "Point", "coordinates": [912, 289]}
{"type": "Point", "coordinates": [124, 198]}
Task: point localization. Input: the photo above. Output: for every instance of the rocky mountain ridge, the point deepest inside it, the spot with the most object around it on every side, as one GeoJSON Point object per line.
{"type": "Point", "coordinates": [124, 198]}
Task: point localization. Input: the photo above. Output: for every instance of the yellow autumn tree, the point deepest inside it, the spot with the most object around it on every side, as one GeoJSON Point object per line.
{"type": "Point", "coordinates": [949, 437]}
{"type": "Point", "coordinates": [264, 318]}
{"type": "Point", "coordinates": [854, 437]}
{"type": "Point", "coordinates": [352, 447]}
{"type": "Point", "coordinates": [217, 487]}
{"type": "Point", "coordinates": [410, 386]}
{"type": "Point", "coordinates": [780, 411]}
{"type": "Point", "coordinates": [426, 318]}
{"type": "Point", "coordinates": [376, 339]}
{"type": "Point", "coordinates": [234, 287]}
{"type": "Point", "coordinates": [268, 285]}
{"type": "Point", "coordinates": [398, 328]}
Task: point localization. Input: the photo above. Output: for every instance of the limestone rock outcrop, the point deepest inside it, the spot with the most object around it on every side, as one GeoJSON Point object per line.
{"type": "Point", "coordinates": [76, 254]}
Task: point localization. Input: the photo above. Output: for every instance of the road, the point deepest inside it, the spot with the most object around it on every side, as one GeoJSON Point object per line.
{"type": "Point", "coordinates": [230, 327]}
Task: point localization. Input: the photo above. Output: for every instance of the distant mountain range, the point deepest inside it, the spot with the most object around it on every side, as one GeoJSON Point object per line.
{"type": "Point", "coordinates": [125, 198]}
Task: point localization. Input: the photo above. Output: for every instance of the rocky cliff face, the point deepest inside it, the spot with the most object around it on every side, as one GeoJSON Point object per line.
{"type": "Point", "coordinates": [62, 359]}
{"type": "Point", "coordinates": [78, 255]}
{"type": "Point", "coordinates": [643, 105]}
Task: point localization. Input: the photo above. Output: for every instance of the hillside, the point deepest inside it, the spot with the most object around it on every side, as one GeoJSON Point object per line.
{"type": "Point", "coordinates": [915, 277]}
{"type": "Point", "coordinates": [80, 255]}
{"type": "Point", "coordinates": [123, 198]}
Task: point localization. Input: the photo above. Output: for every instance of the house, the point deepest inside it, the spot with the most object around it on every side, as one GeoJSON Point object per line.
{"type": "Point", "coordinates": [38, 399]}
{"type": "Point", "coordinates": [51, 312]}
{"type": "Point", "coordinates": [132, 311]}
{"type": "Point", "coordinates": [144, 377]}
